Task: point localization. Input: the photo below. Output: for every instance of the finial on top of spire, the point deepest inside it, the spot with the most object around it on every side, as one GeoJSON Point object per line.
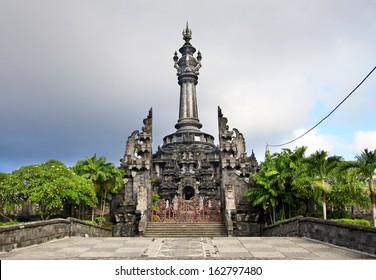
{"type": "Point", "coordinates": [187, 64]}
{"type": "Point", "coordinates": [187, 34]}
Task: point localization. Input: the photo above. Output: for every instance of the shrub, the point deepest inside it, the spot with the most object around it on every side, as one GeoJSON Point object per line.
{"type": "Point", "coordinates": [155, 198]}
{"type": "Point", "coordinates": [361, 222]}
{"type": "Point", "coordinates": [90, 222]}
{"type": "Point", "coordinates": [340, 214]}
{"type": "Point", "coordinates": [9, 223]}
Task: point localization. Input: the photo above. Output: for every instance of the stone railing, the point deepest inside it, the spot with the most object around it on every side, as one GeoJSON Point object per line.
{"type": "Point", "coordinates": [354, 237]}
{"type": "Point", "coordinates": [27, 234]}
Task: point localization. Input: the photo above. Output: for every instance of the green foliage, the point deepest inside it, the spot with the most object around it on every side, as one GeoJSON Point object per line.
{"type": "Point", "coordinates": [155, 198]}
{"type": "Point", "coordinates": [353, 221]}
{"type": "Point", "coordinates": [51, 185]}
{"type": "Point", "coordinates": [289, 184]}
{"type": "Point", "coordinates": [99, 220]}
{"type": "Point", "coordinates": [11, 196]}
{"type": "Point", "coordinates": [276, 184]}
{"type": "Point", "coordinates": [90, 222]}
{"type": "Point", "coordinates": [347, 190]}
{"type": "Point", "coordinates": [365, 168]}
{"type": "Point", "coordinates": [321, 168]}
{"type": "Point", "coordinates": [14, 222]}
{"type": "Point", "coordinates": [340, 214]}
{"type": "Point", "coordinates": [105, 176]}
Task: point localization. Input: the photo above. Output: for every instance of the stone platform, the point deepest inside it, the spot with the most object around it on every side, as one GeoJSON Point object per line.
{"type": "Point", "coordinates": [194, 248]}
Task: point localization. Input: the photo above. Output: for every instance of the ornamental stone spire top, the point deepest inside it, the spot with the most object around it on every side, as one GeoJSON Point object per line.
{"type": "Point", "coordinates": [187, 67]}
{"type": "Point", "coordinates": [187, 34]}
{"type": "Point", "coordinates": [187, 63]}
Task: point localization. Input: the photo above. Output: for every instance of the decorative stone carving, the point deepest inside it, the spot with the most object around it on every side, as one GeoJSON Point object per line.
{"type": "Point", "coordinates": [233, 151]}
{"type": "Point", "coordinates": [138, 149]}
{"type": "Point", "coordinates": [187, 63]}
{"type": "Point", "coordinates": [188, 163]}
{"type": "Point", "coordinates": [236, 169]}
{"type": "Point", "coordinates": [230, 197]}
{"type": "Point", "coordinates": [142, 199]}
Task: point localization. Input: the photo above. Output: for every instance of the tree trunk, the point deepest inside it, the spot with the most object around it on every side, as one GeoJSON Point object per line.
{"type": "Point", "coordinates": [373, 205]}
{"type": "Point", "coordinates": [374, 214]}
{"type": "Point", "coordinates": [324, 205]}
{"type": "Point", "coordinates": [103, 207]}
{"type": "Point", "coordinates": [72, 211]}
{"type": "Point", "coordinates": [6, 217]}
{"type": "Point", "coordinates": [101, 215]}
{"type": "Point", "coordinates": [274, 215]}
{"type": "Point", "coordinates": [373, 201]}
{"type": "Point", "coordinates": [271, 216]}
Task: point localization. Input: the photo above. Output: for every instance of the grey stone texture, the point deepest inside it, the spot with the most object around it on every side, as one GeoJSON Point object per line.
{"type": "Point", "coordinates": [205, 248]}
{"type": "Point", "coordinates": [189, 163]}
{"type": "Point", "coordinates": [355, 237]}
{"type": "Point", "coordinates": [27, 234]}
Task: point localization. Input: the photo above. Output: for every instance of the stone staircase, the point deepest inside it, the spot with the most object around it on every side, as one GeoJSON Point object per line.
{"type": "Point", "coordinates": [200, 229]}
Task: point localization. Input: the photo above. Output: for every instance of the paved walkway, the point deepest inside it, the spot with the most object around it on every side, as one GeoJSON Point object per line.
{"type": "Point", "coordinates": [275, 248]}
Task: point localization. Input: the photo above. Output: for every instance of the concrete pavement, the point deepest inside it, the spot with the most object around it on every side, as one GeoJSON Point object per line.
{"type": "Point", "coordinates": [275, 248]}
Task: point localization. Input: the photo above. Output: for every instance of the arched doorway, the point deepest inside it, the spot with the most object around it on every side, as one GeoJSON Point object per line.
{"type": "Point", "coordinates": [188, 193]}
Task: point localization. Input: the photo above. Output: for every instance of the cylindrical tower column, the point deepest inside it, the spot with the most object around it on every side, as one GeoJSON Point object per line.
{"type": "Point", "coordinates": [188, 66]}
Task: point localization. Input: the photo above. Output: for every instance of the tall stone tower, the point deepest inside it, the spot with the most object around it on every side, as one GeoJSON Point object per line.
{"type": "Point", "coordinates": [187, 164]}
{"type": "Point", "coordinates": [188, 70]}
{"type": "Point", "coordinates": [188, 170]}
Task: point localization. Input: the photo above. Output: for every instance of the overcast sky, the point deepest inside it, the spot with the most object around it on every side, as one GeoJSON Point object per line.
{"type": "Point", "coordinates": [77, 77]}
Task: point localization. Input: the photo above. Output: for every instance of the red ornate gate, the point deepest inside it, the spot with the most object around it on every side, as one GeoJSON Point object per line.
{"type": "Point", "coordinates": [193, 210]}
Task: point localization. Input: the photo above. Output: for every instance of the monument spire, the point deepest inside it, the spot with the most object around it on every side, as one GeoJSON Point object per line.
{"type": "Point", "coordinates": [187, 71]}
{"type": "Point", "coordinates": [187, 34]}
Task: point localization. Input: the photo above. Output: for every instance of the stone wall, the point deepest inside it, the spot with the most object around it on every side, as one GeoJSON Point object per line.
{"type": "Point", "coordinates": [27, 234]}
{"type": "Point", "coordinates": [354, 237]}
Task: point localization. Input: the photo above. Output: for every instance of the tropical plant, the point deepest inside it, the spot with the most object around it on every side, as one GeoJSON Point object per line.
{"type": "Point", "coordinates": [347, 192]}
{"type": "Point", "coordinates": [10, 197]}
{"type": "Point", "coordinates": [301, 183]}
{"type": "Point", "coordinates": [105, 176]}
{"type": "Point", "coordinates": [365, 166]}
{"type": "Point", "coordinates": [274, 183]}
{"type": "Point", "coordinates": [52, 185]}
{"type": "Point", "coordinates": [361, 222]}
{"type": "Point", "coordinates": [321, 168]}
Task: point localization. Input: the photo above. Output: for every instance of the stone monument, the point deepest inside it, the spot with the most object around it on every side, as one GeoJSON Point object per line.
{"type": "Point", "coordinates": [188, 166]}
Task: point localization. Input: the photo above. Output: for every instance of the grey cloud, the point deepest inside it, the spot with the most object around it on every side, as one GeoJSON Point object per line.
{"type": "Point", "coordinates": [77, 77]}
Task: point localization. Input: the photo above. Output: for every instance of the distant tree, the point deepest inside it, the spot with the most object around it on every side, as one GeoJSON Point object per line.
{"type": "Point", "coordinates": [301, 181]}
{"type": "Point", "coordinates": [10, 196]}
{"type": "Point", "coordinates": [52, 185]}
{"type": "Point", "coordinates": [288, 183]}
{"type": "Point", "coordinates": [365, 166]}
{"type": "Point", "coordinates": [273, 185]}
{"type": "Point", "coordinates": [105, 176]}
{"type": "Point", "coordinates": [347, 190]}
{"type": "Point", "coordinates": [321, 168]}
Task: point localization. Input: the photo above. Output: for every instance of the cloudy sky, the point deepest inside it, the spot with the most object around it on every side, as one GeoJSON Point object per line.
{"type": "Point", "coordinates": [77, 77]}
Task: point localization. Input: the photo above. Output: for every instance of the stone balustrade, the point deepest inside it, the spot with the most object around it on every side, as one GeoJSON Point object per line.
{"type": "Point", "coordinates": [356, 237]}
{"type": "Point", "coordinates": [32, 233]}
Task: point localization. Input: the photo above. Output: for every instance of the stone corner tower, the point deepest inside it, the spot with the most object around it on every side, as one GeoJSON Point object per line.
{"type": "Point", "coordinates": [196, 179]}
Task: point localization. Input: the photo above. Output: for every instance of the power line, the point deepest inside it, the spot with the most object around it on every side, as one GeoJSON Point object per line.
{"type": "Point", "coordinates": [309, 130]}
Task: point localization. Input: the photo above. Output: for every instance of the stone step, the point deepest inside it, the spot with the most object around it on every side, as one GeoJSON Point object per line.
{"type": "Point", "coordinates": [195, 225]}
{"type": "Point", "coordinates": [185, 230]}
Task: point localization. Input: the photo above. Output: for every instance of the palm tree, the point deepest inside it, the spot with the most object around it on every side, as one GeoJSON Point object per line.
{"type": "Point", "coordinates": [265, 191]}
{"type": "Point", "coordinates": [277, 183]}
{"type": "Point", "coordinates": [365, 166]}
{"type": "Point", "coordinates": [321, 168]}
{"type": "Point", "coordinates": [104, 175]}
{"type": "Point", "coordinates": [301, 182]}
